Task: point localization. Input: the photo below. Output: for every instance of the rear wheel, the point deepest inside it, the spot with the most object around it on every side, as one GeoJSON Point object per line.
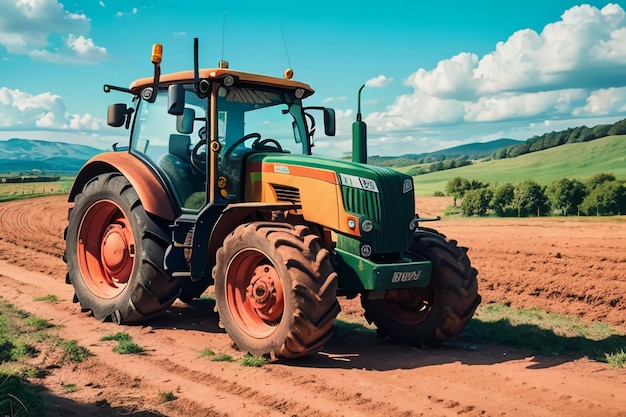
{"type": "Point", "coordinates": [275, 289]}
{"type": "Point", "coordinates": [428, 316]}
{"type": "Point", "coordinates": [114, 251]}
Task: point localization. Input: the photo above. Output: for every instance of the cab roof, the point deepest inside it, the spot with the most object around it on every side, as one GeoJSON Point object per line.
{"type": "Point", "coordinates": [217, 73]}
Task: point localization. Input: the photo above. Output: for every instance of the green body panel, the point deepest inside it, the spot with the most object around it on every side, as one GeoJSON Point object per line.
{"type": "Point", "coordinates": [390, 206]}
{"type": "Point", "coordinates": [356, 273]}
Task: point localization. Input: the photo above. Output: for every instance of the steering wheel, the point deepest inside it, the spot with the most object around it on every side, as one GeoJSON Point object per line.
{"type": "Point", "coordinates": [261, 144]}
{"type": "Point", "coordinates": [231, 148]}
{"type": "Point", "coordinates": [197, 158]}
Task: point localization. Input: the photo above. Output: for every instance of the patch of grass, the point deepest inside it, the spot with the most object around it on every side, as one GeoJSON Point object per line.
{"type": "Point", "coordinates": [18, 330]}
{"type": "Point", "coordinates": [15, 191]}
{"type": "Point", "coordinates": [222, 357]}
{"type": "Point", "coordinates": [254, 361]}
{"type": "Point", "coordinates": [118, 337]}
{"type": "Point", "coordinates": [33, 372]}
{"type": "Point", "coordinates": [18, 398]}
{"type": "Point", "coordinates": [72, 352]}
{"type": "Point", "coordinates": [128, 348]}
{"type": "Point", "coordinates": [616, 360]}
{"type": "Point", "coordinates": [206, 352]}
{"type": "Point", "coordinates": [349, 328]}
{"type": "Point", "coordinates": [6, 347]}
{"type": "Point", "coordinates": [545, 333]}
{"type": "Point", "coordinates": [166, 396]}
{"type": "Point", "coordinates": [36, 322]}
{"type": "Point", "coordinates": [51, 298]}
{"type": "Point", "coordinates": [215, 357]}
{"type": "Point", "coordinates": [70, 387]}
{"type": "Point", "coordinates": [125, 345]}
{"type": "Point", "coordinates": [23, 350]}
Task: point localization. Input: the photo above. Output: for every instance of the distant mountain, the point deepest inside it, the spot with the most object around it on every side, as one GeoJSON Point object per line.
{"type": "Point", "coordinates": [24, 155]}
{"type": "Point", "coordinates": [471, 151]}
{"type": "Point", "coordinates": [474, 150]}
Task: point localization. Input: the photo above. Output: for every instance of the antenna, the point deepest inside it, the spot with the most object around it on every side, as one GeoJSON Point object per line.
{"type": "Point", "coordinates": [289, 71]}
{"type": "Point", "coordinates": [223, 34]}
{"type": "Point", "coordinates": [285, 44]}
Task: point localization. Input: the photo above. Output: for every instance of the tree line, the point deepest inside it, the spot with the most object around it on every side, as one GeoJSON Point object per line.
{"type": "Point", "coordinates": [600, 195]}
{"type": "Point", "coordinates": [552, 139]}
{"type": "Point", "coordinates": [429, 163]}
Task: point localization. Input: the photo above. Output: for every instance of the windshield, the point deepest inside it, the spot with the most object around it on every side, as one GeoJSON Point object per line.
{"type": "Point", "coordinates": [248, 120]}
{"type": "Point", "coordinates": [274, 118]}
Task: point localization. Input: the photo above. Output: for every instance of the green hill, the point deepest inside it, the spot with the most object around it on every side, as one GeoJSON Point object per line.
{"type": "Point", "coordinates": [577, 160]}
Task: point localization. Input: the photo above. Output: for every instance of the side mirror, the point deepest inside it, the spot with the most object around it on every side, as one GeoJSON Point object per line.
{"type": "Point", "coordinates": [329, 122]}
{"type": "Point", "coordinates": [176, 99]}
{"type": "Point", "coordinates": [184, 121]}
{"type": "Point", "coordinates": [116, 115]}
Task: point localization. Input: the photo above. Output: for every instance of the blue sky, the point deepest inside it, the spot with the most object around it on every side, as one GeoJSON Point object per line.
{"type": "Point", "coordinates": [438, 73]}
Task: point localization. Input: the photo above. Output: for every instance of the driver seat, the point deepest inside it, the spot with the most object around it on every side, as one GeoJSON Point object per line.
{"type": "Point", "coordinates": [178, 169]}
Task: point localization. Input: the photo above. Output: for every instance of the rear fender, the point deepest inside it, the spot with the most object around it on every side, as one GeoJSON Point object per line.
{"type": "Point", "coordinates": [153, 194]}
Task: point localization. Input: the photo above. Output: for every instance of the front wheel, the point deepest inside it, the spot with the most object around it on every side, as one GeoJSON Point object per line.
{"type": "Point", "coordinates": [114, 253]}
{"type": "Point", "coordinates": [428, 316]}
{"type": "Point", "coordinates": [275, 289]}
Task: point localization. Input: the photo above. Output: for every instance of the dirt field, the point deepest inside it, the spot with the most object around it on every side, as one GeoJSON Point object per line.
{"type": "Point", "coordinates": [567, 266]}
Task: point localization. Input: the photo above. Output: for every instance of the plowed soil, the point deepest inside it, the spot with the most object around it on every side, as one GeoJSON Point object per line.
{"type": "Point", "coordinates": [570, 266]}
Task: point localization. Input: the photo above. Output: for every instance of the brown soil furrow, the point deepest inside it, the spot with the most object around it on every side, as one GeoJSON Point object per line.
{"type": "Point", "coordinates": [35, 226]}
{"type": "Point", "coordinates": [566, 266]}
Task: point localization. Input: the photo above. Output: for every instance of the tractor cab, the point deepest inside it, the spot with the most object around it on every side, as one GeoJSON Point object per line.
{"type": "Point", "coordinates": [198, 135]}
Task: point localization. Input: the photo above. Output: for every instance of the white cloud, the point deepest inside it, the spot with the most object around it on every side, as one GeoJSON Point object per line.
{"type": "Point", "coordinates": [43, 29]}
{"type": "Point", "coordinates": [573, 68]}
{"type": "Point", "coordinates": [380, 81]}
{"type": "Point", "coordinates": [332, 99]}
{"type": "Point", "coordinates": [451, 78]}
{"type": "Point", "coordinates": [122, 14]}
{"type": "Point", "coordinates": [23, 111]}
{"type": "Point", "coordinates": [604, 102]}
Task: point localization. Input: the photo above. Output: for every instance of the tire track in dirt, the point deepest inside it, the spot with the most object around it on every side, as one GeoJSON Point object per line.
{"type": "Point", "coordinates": [35, 226]}
{"type": "Point", "coordinates": [31, 233]}
{"type": "Point", "coordinates": [573, 267]}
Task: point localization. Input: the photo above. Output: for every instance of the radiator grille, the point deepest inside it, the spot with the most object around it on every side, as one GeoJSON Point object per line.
{"type": "Point", "coordinates": [286, 193]}
{"type": "Point", "coordinates": [362, 202]}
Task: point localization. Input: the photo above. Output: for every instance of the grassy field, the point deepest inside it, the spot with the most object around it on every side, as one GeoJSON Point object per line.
{"type": "Point", "coordinates": [13, 191]}
{"type": "Point", "coordinates": [579, 160]}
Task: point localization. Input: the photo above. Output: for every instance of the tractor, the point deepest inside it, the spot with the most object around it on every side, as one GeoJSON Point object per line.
{"type": "Point", "coordinates": [218, 187]}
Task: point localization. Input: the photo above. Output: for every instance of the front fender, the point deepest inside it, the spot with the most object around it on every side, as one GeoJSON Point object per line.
{"type": "Point", "coordinates": [152, 193]}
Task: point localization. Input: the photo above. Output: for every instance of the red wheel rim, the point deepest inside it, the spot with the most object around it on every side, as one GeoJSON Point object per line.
{"type": "Point", "coordinates": [105, 249]}
{"type": "Point", "coordinates": [254, 293]}
{"type": "Point", "coordinates": [409, 306]}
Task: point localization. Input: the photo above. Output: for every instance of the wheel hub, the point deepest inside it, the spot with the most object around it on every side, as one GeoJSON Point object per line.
{"type": "Point", "coordinates": [265, 293]}
{"type": "Point", "coordinates": [117, 252]}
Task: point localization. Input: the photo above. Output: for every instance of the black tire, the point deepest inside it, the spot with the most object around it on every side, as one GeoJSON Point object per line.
{"type": "Point", "coordinates": [114, 253]}
{"type": "Point", "coordinates": [426, 317]}
{"type": "Point", "coordinates": [275, 290]}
